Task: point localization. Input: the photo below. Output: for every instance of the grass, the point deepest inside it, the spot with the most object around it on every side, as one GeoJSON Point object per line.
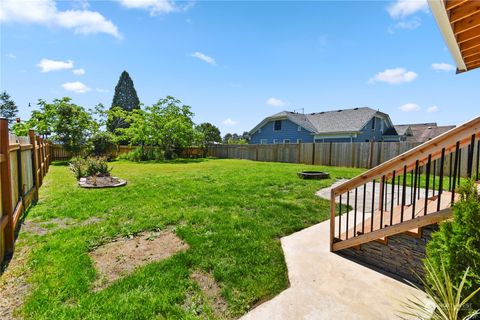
{"type": "Point", "coordinates": [231, 213]}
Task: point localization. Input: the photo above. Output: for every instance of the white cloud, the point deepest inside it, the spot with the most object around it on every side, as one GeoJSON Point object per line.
{"type": "Point", "coordinates": [101, 90]}
{"type": "Point", "coordinates": [403, 8]}
{"type": "Point", "coordinates": [45, 12]}
{"type": "Point", "coordinates": [409, 107]}
{"type": "Point", "coordinates": [274, 102]}
{"type": "Point", "coordinates": [78, 72]}
{"type": "Point", "coordinates": [443, 66]}
{"type": "Point", "coordinates": [229, 122]}
{"type": "Point", "coordinates": [154, 6]}
{"type": "Point", "coordinates": [394, 76]}
{"type": "Point", "coordinates": [433, 109]}
{"type": "Point", "coordinates": [47, 65]}
{"type": "Point", "coordinates": [204, 58]}
{"type": "Point", "coordinates": [411, 24]}
{"type": "Point", "coordinates": [11, 55]}
{"type": "Point", "coordinates": [76, 86]}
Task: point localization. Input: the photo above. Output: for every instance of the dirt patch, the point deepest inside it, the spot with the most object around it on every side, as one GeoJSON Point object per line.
{"type": "Point", "coordinates": [43, 227]}
{"type": "Point", "coordinates": [211, 290]}
{"type": "Point", "coordinates": [13, 284]}
{"type": "Point", "coordinates": [122, 256]}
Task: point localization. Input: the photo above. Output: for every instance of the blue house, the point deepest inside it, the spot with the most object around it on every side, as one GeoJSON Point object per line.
{"type": "Point", "coordinates": [347, 125]}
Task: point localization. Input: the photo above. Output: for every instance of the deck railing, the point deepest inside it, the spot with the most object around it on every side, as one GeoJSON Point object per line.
{"type": "Point", "coordinates": [24, 161]}
{"type": "Point", "coordinates": [407, 192]}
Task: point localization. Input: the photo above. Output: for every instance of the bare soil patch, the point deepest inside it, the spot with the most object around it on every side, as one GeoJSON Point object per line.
{"type": "Point", "coordinates": [122, 256]}
{"type": "Point", "coordinates": [211, 289]}
{"type": "Point", "coordinates": [43, 227]}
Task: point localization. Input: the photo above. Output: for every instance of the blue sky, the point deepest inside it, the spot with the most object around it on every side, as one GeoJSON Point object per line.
{"type": "Point", "coordinates": [236, 62]}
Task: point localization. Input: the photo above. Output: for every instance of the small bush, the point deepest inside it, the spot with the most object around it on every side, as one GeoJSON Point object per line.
{"type": "Point", "coordinates": [457, 244]}
{"type": "Point", "coordinates": [90, 166]}
{"type": "Point", "coordinates": [103, 144]}
{"type": "Point", "coordinates": [146, 154]}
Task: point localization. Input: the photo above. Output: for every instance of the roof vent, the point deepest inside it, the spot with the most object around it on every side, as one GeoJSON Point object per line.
{"type": "Point", "coordinates": [355, 109]}
{"type": "Point", "coordinates": [429, 127]}
{"type": "Point", "coordinates": [339, 110]}
{"type": "Point", "coordinates": [322, 112]}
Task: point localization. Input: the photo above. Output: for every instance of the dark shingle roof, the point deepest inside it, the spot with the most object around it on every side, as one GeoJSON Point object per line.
{"type": "Point", "coordinates": [346, 120]}
{"type": "Point", "coordinates": [422, 132]}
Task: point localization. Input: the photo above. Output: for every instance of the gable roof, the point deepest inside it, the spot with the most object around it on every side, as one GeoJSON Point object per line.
{"type": "Point", "coordinates": [346, 120]}
{"type": "Point", "coordinates": [421, 132]}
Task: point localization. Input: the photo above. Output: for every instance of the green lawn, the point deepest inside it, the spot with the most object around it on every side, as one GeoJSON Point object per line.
{"type": "Point", "coordinates": [231, 213]}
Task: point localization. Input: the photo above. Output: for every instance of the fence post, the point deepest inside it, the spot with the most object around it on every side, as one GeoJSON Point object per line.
{"type": "Point", "coordinates": [31, 134]}
{"type": "Point", "coordinates": [313, 152]}
{"type": "Point", "coordinates": [6, 182]}
{"type": "Point", "coordinates": [40, 161]}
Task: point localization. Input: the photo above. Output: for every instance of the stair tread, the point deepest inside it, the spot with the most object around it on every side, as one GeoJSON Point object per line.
{"type": "Point", "coordinates": [407, 215]}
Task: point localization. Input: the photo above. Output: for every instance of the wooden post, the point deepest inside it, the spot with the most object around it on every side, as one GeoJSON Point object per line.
{"type": "Point", "coordinates": [6, 182]}
{"type": "Point", "coordinates": [332, 218]}
{"type": "Point", "coordinates": [33, 142]}
{"type": "Point", "coordinates": [39, 163]}
{"type": "Point", "coordinates": [330, 154]}
{"type": "Point", "coordinates": [313, 152]}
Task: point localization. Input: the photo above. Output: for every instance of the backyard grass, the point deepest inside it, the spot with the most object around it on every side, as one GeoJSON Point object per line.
{"type": "Point", "coordinates": [230, 212]}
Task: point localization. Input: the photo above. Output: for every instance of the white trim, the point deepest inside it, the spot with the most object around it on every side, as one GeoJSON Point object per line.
{"type": "Point", "coordinates": [440, 13]}
{"type": "Point", "coordinates": [263, 141]}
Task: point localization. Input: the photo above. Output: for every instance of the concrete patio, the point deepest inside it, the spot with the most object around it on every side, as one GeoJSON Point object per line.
{"type": "Point", "coordinates": [324, 285]}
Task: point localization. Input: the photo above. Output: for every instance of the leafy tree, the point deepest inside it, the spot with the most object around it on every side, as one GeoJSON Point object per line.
{"type": "Point", "coordinates": [126, 98]}
{"type": "Point", "coordinates": [166, 124]}
{"type": "Point", "coordinates": [236, 138]}
{"type": "Point", "coordinates": [103, 144]}
{"type": "Point", "coordinates": [207, 134]}
{"type": "Point", "coordinates": [8, 108]}
{"type": "Point", "coordinates": [457, 244]}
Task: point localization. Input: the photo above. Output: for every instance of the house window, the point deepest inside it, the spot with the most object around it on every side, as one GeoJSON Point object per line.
{"type": "Point", "coordinates": [299, 128]}
{"type": "Point", "coordinates": [275, 141]}
{"type": "Point", "coordinates": [299, 140]}
{"type": "Point", "coordinates": [277, 125]}
{"type": "Point", "coordinates": [263, 141]}
{"type": "Point", "coordinates": [286, 141]}
{"type": "Point", "coordinates": [373, 123]}
{"type": "Point", "coordinates": [260, 130]}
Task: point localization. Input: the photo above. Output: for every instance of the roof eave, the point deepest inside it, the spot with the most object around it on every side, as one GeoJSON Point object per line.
{"type": "Point", "coordinates": [440, 13]}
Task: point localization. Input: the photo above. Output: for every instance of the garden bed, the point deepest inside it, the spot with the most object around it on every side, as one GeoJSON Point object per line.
{"type": "Point", "coordinates": [101, 182]}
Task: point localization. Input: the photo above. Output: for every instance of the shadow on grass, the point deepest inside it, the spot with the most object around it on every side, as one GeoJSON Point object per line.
{"type": "Point", "coordinates": [60, 163]}
{"type": "Point", "coordinates": [176, 161]}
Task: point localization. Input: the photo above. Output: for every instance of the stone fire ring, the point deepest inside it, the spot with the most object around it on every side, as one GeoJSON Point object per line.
{"type": "Point", "coordinates": [83, 184]}
{"type": "Point", "coordinates": [314, 175]}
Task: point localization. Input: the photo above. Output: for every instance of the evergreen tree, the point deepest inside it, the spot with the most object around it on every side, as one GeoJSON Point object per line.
{"type": "Point", "coordinates": [126, 98]}
{"type": "Point", "coordinates": [8, 108]}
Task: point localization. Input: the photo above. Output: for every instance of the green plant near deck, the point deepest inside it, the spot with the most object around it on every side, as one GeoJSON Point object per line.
{"type": "Point", "coordinates": [457, 243]}
{"type": "Point", "coordinates": [232, 214]}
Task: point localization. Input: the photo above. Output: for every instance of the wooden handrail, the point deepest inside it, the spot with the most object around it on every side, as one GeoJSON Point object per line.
{"type": "Point", "coordinates": [433, 147]}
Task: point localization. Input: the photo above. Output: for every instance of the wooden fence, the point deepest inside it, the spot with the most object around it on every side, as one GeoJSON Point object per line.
{"type": "Point", "coordinates": [339, 154]}
{"type": "Point", "coordinates": [24, 161]}
{"type": "Point", "coordinates": [58, 152]}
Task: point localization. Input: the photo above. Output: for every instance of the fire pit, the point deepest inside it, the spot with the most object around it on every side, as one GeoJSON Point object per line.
{"type": "Point", "coordinates": [314, 175]}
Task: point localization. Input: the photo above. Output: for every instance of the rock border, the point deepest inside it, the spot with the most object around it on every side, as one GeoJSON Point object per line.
{"type": "Point", "coordinates": [83, 184]}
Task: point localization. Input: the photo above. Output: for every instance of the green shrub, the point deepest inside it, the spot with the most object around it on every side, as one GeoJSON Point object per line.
{"type": "Point", "coordinates": [90, 166]}
{"type": "Point", "coordinates": [103, 144]}
{"type": "Point", "coordinates": [144, 154]}
{"type": "Point", "coordinates": [457, 244]}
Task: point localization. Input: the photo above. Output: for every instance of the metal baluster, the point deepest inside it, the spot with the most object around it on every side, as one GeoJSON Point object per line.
{"type": "Point", "coordinates": [373, 206]}
{"type": "Point", "coordinates": [340, 218]}
{"type": "Point", "coordinates": [470, 156]}
{"type": "Point", "coordinates": [404, 192]}
{"type": "Point", "coordinates": [393, 198]}
{"type": "Point", "coordinates": [348, 208]}
{"type": "Point", "coordinates": [427, 183]}
{"type": "Point", "coordinates": [415, 189]}
{"type": "Point", "coordinates": [363, 211]}
{"type": "Point", "coordinates": [355, 215]}
{"type": "Point", "coordinates": [457, 149]}
{"type": "Point", "coordinates": [381, 205]}
{"type": "Point", "coordinates": [440, 182]}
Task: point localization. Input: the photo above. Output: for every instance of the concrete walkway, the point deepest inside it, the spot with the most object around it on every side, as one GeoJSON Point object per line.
{"type": "Point", "coordinates": [324, 285]}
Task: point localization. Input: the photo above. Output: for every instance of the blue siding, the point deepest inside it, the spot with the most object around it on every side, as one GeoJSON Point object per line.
{"type": "Point", "coordinates": [373, 135]}
{"type": "Point", "coordinates": [289, 131]}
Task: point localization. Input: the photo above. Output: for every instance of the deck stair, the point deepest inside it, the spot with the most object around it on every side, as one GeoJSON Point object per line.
{"type": "Point", "coordinates": [406, 193]}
